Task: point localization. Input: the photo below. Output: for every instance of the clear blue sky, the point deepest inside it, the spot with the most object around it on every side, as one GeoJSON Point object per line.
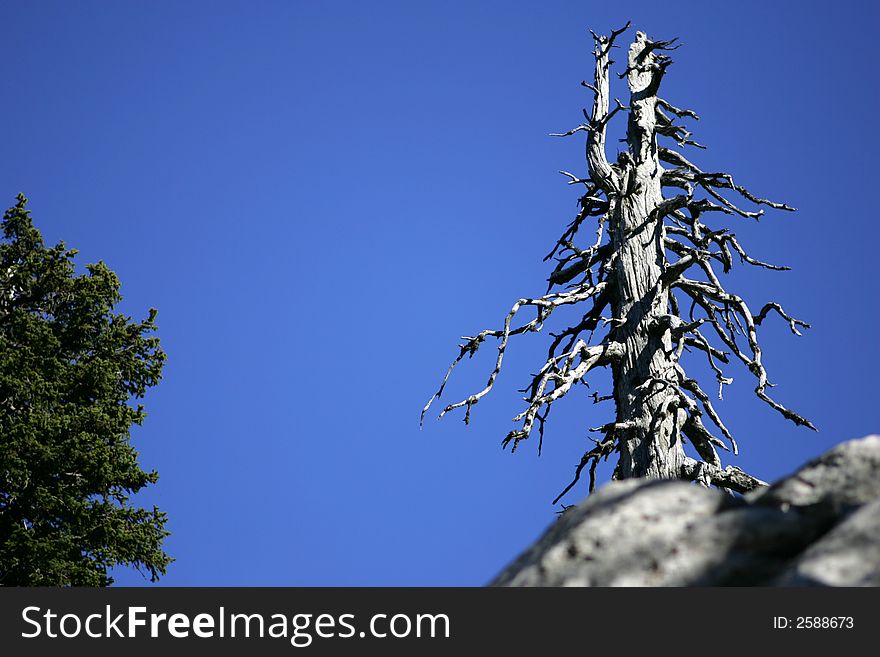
{"type": "Point", "coordinates": [321, 197]}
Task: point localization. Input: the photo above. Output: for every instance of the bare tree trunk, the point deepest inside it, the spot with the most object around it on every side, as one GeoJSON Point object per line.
{"type": "Point", "coordinates": [647, 434]}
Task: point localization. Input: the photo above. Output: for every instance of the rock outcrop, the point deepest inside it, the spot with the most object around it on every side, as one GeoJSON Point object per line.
{"type": "Point", "coordinates": [817, 527]}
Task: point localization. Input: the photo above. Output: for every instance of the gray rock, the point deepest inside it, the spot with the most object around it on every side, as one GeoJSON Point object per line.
{"type": "Point", "coordinates": [741, 547]}
{"type": "Point", "coordinates": [848, 555]}
{"type": "Point", "coordinates": [820, 526]}
{"type": "Point", "coordinates": [618, 536]}
{"type": "Point", "coordinates": [843, 478]}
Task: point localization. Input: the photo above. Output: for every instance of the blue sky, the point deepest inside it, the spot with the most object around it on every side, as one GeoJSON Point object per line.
{"type": "Point", "coordinates": [321, 197]}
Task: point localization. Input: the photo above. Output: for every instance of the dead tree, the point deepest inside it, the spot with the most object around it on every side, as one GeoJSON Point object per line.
{"type": "Point", "coordinates": [651, 263]}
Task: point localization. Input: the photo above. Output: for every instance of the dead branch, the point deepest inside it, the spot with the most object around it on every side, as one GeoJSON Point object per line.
{"type": "Point", "coordinates": [730, 477]}
{"type": "Point", "coordinates": [544, 305]}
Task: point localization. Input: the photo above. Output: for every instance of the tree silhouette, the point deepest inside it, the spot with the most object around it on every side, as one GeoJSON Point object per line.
{"type": "Point", "coordinates": [650, 259]}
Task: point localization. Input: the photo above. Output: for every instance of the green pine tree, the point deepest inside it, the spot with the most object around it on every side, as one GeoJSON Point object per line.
{"type": "Point", "coordinates": [69, 370]}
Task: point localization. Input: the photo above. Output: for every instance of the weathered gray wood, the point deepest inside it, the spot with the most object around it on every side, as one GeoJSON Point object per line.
{"type": "Point", "coordinates": [648, 249]}
{"type": "Point", "coordinates": [645, 377]}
